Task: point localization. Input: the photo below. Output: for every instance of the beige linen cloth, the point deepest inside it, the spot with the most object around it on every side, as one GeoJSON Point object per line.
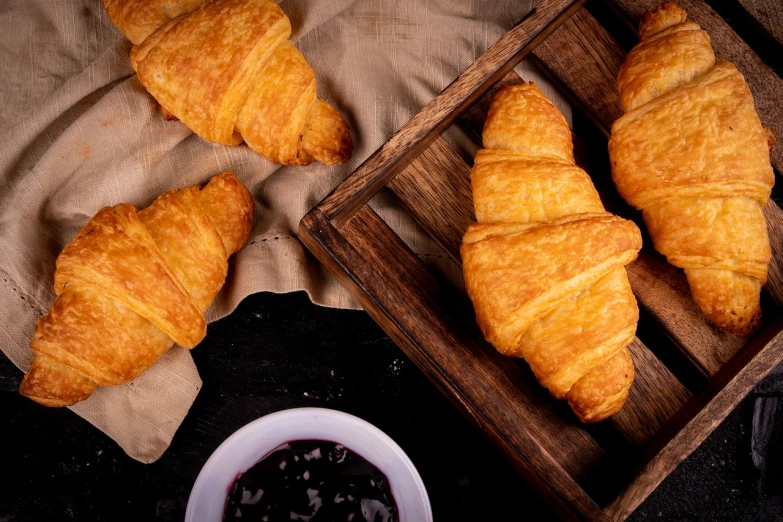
{"type": "Point", "coordinates": [78, 132]}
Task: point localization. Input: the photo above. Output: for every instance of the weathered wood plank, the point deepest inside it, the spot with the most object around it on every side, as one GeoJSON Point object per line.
{"type": "Point", "coordinates": [769, 13]}
{"type": "Point", "coordinates": [664, 291]}
{"type": "Point", "coordinates": [435, 188]}
{"type": "Point", "coordinates": [586, 59]}
{"type": "Point", "coordinates": [656, 395]}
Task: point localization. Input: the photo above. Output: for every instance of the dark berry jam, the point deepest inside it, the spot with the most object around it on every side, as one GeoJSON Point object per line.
{"type": "Point", "coordinates": [314, 481]}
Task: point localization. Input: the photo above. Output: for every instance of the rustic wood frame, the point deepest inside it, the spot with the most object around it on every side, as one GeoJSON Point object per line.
{"type": "Point", "coordinates": [586, 473]}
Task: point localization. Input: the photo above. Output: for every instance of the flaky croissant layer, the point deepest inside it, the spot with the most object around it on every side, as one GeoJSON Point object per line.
{"type": "Point", "coordinates": [544, 264]}
{"type": "Point", "coordinates": [692, 155]}
{"type": "Point", "coordinates": [131, 284]}
{"type": "Point", "coordinates": [227, 70]}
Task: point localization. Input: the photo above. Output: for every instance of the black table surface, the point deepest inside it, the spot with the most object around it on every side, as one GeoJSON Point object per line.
{"type": "Point", "coordinates": [281, 351]}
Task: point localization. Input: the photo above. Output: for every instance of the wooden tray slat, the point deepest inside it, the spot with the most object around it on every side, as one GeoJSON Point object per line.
{"type": "Point", "coordinates": [664, 291]}
{"type": "Point", "coordinates": [656, 395]}
{"type": "Point", "coordinates": [438, 175]}
{"type": "Point", "coordinates": [586, 58]}
{"type": "Point", "coordinates": [769, 14]}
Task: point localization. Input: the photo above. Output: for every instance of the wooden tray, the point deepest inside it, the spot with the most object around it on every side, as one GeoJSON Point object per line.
{"type": "Point", "coordinates": [689, 375]}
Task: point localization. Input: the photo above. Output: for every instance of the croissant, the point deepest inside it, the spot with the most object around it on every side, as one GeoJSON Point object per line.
{"type": "Point", "coordinates": [692, 155]}
{"type": "Point", "coordinates": [227, 70]}
{"type": "Point", "coordinates": [131, 284]}
{"type": "Point", "coordinates": [544, 263]}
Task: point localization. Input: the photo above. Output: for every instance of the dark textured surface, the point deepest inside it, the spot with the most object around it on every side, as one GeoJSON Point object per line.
{"type": "Point", "coordinates": [280, 351]}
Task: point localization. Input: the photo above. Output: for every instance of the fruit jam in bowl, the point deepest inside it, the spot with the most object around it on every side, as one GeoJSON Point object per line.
{"type": "Point", "coordinates": [309, 464]}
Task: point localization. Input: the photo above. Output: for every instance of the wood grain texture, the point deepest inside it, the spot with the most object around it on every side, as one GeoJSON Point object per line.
{"type": "Point", "coordinates": [586, 58]}
{"type": "Point", "coordinates": [755, 33]}
{"type": "Point", "coordinates": [663, 291]}
{"type": "Point", "coordinates": [656, 395]}
{"type": "Point", "coordinates": [419, 313]}
{"type": "Point", "coordinates": [435, 188]}
{"type": "Point", "coordinates": [767, 87]}
{"type": "Point", "coordinates": [701, 415]}
{"type": "Point", "coordinates": [769, 13]}
{"type": "Point", "coordinates": [418, 133]}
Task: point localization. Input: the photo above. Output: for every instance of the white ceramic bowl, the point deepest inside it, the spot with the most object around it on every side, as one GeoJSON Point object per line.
{"type": "Point", "coordinates": [251, 443]}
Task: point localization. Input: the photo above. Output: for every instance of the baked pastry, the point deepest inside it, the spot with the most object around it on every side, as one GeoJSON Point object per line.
{"type": "Point", "coordinates": [137, 19]}
{"type": "Point", "coordinates": [544, 265]}
{"type": "Point", "coordinates": [692, 155]}
{"type": "Point", "coordinates": [227, 70]}
{"type": "Point", "coordinates": [131, 284]}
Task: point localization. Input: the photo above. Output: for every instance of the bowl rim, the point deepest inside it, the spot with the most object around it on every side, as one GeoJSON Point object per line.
{"type": "Point", "coordinates": [311, 415]}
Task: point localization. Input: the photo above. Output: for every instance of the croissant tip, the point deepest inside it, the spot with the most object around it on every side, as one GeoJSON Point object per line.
{"type": "Point", "coordinates": [740, 327]}
{"type": "Point", "coordinates": [599, 414]}
{"type": "Point", "coordinates": [29, 389]}
{"type": "Point", "coordinates": [48, 402]}
{"type": "Point", "coordinates": [656, 20]}
{"type": "Point", "coordinates": [590, 420]}
{"type": "Point", "coordinates": [327, 137]}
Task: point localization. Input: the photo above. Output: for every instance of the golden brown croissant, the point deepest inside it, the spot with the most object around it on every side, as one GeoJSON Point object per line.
{"type": "Point", "coordinates": [227, 69]}
{"type": "Point", "coordinates": [131, 284]}
{"type": "Point", "coordinates": [691, 153]}
{"type": "Point", "coordinates": [544, 264]}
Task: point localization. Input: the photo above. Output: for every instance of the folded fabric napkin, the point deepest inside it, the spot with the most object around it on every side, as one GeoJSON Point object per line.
{"type": "Point", "coordinates": [78, 132]}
